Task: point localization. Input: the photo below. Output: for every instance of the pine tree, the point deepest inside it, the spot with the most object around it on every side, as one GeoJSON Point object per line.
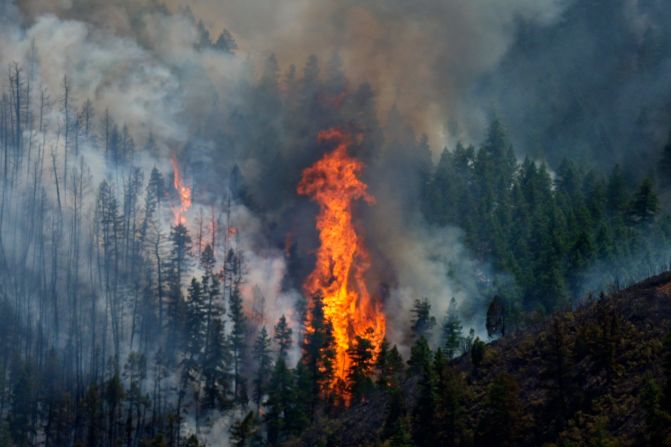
{"type": "Point", "coordinates": [282, 336]}
{"type": "Point", "coordinates": [616, 192]}
{"type": "Point", "coordinates": [359, 375]}
{"type": "Point", "coordinates": [423, 322]}
{"type": "Point", "coordinates": [389, 367]}
{"type": "Point", "coordinates": [503, 421]}
{"type": "Point", "coordinates": [195, 313]}
{"type": "Point", "coordinates": [238, 339]}
{"type": "Point", "coordinates": [451, 395]}
{"type": "Point", "coordinates": [452, 331]}
{"type": "Point", "coordinates": [424, 424]}
{"type": "Point", "coordinates": [396, 427]}
{"type": "Point", "coordinates": [420, 357]}
{"type": "Point", "coordinates": [178, 269]}
{"type": "Point", "coordinates": [644, 205]}
{"type": "Point", "coordinates": [319, 354]}
{"type": "Point", "coordinates": [303, 402]}
{"type": "Point", "coordinates": [279, 404]}
{"type": "Point", "coordinates": [261, 354]}
{"type": "Point", "coordinates": [216, 368]}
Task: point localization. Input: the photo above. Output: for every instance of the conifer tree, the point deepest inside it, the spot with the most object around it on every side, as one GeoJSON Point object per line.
{"type": "Point", "coordinates": [238, 339]}
{"type": "Point", "coordinates": [503, 421]}
{"type": "Point", "coordinates": [389, 367]}
{"type": "Point", "coordinates": [452, 331]}
{"type": "Point", "coordinates": [263, 361]}
{"type": "Point", "coordinates": [216, 368]}
{"type": "Point", "coordinates": [359, 375]}
{"type": "Point", "coordinates": [282, 337]}
{"type": "Point", "coordinates": [644, 205]}
{"type": "Point", "coordinates": [423, 322]}
{"type": "Point", "coordinates": [424, 421]}
{"type": "Point", "coordinates": [178, 269]}
{"type": "Point", "coordinates": [319, 354]}
{"type": "Point", "coordinates": [280, 402]}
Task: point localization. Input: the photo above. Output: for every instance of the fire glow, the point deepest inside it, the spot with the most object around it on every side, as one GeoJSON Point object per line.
{"type": "Point", "coordinates": [183, 192]}
{"type": "Point", "coordinates": [342, 258]}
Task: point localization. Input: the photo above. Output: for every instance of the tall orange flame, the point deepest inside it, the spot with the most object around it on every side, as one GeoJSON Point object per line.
{"type": "Point", "coordinates": [342, 258]}
{"type": "Point", "coordinates": [184, 193]}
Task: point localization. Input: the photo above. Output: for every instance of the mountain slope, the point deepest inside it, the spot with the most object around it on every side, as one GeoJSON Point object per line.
{"type": "Point", "coordinates": [593, 376]}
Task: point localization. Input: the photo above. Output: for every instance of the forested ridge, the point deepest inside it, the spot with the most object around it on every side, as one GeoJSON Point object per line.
{"type": "Point", "coordinates": [597, 375]}
{"type": "Point", "coordinates": [560, 233]}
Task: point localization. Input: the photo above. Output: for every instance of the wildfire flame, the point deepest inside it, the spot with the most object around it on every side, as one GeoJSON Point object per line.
{"type": "Point", "coordinates": [342, 258]}
{"type": "Point", "coordinates": [184, 193]}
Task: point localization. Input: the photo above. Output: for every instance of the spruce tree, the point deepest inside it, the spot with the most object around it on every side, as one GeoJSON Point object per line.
{"type": "Point", "coordinates": [261, 353]}
{"type": "Point", "coordinates": [280, 403]}
{"type": "Point", "coordinates": [238, 339]}
{"type": "Point", "coordinates": [319, 354]}
{"type": "Point", "coordinates": [359, 375]}
{"type": "Point", "coordinates": [216, 368]}
{"type": "Point", "coordinates": [452, 331]}
{"type": "Point", "coordinates": [503, 422]}
{"type": "Point", "coordinates": [423, 322]}
{"type": "Point", "coordinates": [282, 336]}
{"type": "Point", "coordinates": [645, 205]}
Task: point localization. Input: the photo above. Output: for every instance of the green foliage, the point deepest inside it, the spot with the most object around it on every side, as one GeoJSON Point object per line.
{"type": "Point", "coordinates": [279, 404]}
{"type": "Point", "coordinates": [318, 356]}
{"type": "Point", "coordinates": [552, 234]}
{"type": "Point", "coordinates": [282, 336]}
{"type": "Point", "coordinates": [420, 357]}
{"type": "Point", "coordinates": [423, 322]}
{"type": "Point", "coordinates": [360, 374]}
{"type": "Point", "coordinates": [453, 338]}
{"type": "Point", "coordinates": [503, 423]}
{"type": "Point", "coordinates": [389, 367]}
{"type": "Point", "coordinates": [424, 421]}
{"type": "Point", "coordinates": [644, 206]}
{"type": "Point", "coordinates": [261, 353]}
{"type": "Point", "coordinates": [396, 427]}
{"type": "Point", "coordinates": [451, 395]}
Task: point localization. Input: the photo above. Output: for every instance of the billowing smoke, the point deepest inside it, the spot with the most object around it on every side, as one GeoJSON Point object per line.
{"type": "Point", "coordinates": [446, 65]}
{"type": "Point", "coordinates": [423, 56]}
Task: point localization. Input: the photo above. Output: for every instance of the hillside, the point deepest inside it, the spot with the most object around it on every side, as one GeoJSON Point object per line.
{"type": "Point", "coordinates": [579, 378]}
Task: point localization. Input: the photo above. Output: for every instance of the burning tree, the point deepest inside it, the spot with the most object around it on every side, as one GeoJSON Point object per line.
{"type": "Point", "coordinates": [342, 258]}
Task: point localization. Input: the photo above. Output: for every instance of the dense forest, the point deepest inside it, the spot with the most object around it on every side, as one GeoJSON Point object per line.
{"type": "Point", "coordinates": [167, 204]}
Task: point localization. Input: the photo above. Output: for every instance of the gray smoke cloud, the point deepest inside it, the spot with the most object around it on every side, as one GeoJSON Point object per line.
{"type": "Point", "coordinates": [422, 56]}
{"type": "Point", "coordinates": [551, 69]}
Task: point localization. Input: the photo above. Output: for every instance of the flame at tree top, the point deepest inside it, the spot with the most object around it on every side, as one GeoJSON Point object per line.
{"type": "Point", "coordinates": [342, 258]}
{"type": "Point", "coordinates": [184, 193]}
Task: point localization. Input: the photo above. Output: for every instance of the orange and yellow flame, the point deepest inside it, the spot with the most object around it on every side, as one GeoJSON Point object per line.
{"type": "Point", "coordinates": [342, 259]}
{"type": "Point", "coordinates": [184, 193]}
